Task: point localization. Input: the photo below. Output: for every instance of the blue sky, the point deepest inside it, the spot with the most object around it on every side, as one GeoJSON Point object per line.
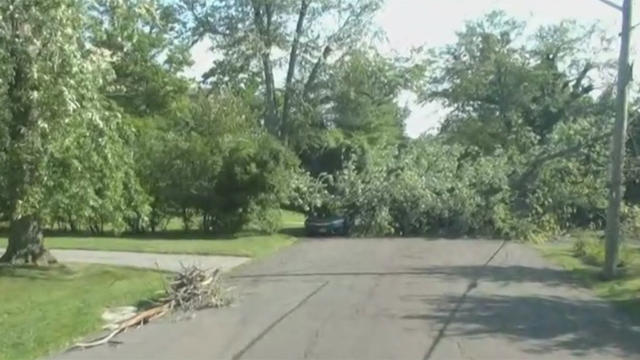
{"type": "Point", "coordinates": [412, 23]}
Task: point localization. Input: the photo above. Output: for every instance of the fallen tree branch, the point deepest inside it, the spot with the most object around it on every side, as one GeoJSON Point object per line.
{"type": "Point", "coordinates": [535, 165]}
{"type": "Point", "coordinates": [139, 319]}
{"type": "Point", "coordinates": [191, 289]}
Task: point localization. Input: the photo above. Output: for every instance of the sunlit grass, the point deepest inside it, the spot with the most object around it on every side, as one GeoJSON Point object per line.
{"type": "Point", "coordinates": [248, 244]}
{"type": "Point", "coordinates": [44, 310]}
{"type": "Point", "coordinates": [252, 246]}
{"type": "Point", "coordinates": [623, 292]}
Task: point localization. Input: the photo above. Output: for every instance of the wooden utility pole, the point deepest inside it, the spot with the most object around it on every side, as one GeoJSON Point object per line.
{"type": "Point", "coordinates": [616, 190]}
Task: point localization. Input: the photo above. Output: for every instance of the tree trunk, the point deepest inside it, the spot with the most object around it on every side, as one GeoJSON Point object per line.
{"type": "Point", "coordinates": [288, 92]}
{"type": "Point", "coordinates": [271, 123]}
{"type": "Point", "coordinates": [186, 219]}
{"type": "Point", "coordinates": [308, 86]}
{"type": "Point", "coordinates": [71, 223]}
{"type": "Point", "coordinates": [262, 18]}
{"type": "Point", "coordinates": [26, 243]}
{"type": "Point", "coordinates": [205, 223]}
{"type": "Point", "coordinates": [25, 235]}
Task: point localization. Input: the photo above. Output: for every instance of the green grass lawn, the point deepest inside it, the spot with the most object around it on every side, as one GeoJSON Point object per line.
{"type": "Point", "coordinates": [623, 292]}
{"type": "Point", "coordinates": [291, 219]}
{"type": "Point", "coordinates": [248, 245]}
{"type": "Point", "coordinates": [44, 310]}
{"type": "Point", "coordinates": [178, 242]}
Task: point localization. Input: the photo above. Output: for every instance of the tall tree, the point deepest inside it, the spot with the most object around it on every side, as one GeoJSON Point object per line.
{"type": "Point", "coordinates": [148, 52]}
{"type": "Point", "coordinates": [507, 89]}
{"type": "Point", "coordinates": [262, 39]}
{"type": "Point", "coordinates": [63, 144]}
{"type": "Point", "coordinates": [531, 96]}
{"type": "Point", "coordinates": [364, 93]}
{"type": "Point", "coordinates": [354, 108]}
{"type": "Point", "coordinates": [148, 49]}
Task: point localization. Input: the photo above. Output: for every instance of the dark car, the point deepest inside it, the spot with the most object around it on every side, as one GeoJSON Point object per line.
{"type": "Point", "coordinates": [326, 226]}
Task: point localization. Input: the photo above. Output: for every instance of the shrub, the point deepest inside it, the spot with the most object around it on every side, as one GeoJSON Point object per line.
{"type": "Point", "coordinates": [211, 159]}
{"type": "Point", "coordinates": [254, 179]}
{"type": "Point", "coordinates": [631, 223]}
{"type": "Point", "coordinates": [265, 220]}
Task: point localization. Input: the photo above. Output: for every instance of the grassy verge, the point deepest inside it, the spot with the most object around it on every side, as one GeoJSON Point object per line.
{"type": "Point", "coordinates": [43, 310]}
{"type": "Point", "coordinates": [292, 220]}
{"type": "Point", "coordinates": [249, 245]}
{"type": "Point", "coordinates": [585, 265]}
{"type": "Point", "coordinates": [178, 242]}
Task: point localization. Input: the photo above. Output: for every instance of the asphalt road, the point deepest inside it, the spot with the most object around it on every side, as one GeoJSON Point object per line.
{"type": "Point", "coordinates": [392, 299]}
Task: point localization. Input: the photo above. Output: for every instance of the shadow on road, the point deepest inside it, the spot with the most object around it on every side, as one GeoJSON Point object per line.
{"type": "Point", "coordinates": [548, 276]}
{"type": "Point", "coordinates": [329, 274]}
{"type": "Point", "coordinates": [544, 323]}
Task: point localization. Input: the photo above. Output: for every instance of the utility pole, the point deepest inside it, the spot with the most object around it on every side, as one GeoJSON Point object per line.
{"type": "Point", "coordinates": [616, 191]}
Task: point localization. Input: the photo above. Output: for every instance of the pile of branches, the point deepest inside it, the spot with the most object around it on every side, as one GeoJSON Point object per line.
{"type": "Point", "coordinates": [195, 289]}
{"type": "Point", "coordinates": [191, 289]}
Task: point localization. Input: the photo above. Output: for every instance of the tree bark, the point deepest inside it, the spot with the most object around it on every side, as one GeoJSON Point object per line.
{"type": "Point", "coordinates": [308, 86]}
{"type": "Point", "coordinates": [25, 235]}
{"type": "Point", "coordinates": [262, 19]}
{"type": "Point", "coordinates": [205, 223]}
{"type": "Point", "coordinates": [26, 243]}
{"type": "Point", "coordinates": [293, 57]}
{"type": "Point", "coordinates": [186, 219]}
{"type": "Point", "coordinates": [270, 97]}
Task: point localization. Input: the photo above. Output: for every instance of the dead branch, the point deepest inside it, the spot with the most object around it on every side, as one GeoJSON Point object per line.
{"type": "Point", "coordinates": [139, 319]}
{"type": "Point", "coordinates": [191, 289]}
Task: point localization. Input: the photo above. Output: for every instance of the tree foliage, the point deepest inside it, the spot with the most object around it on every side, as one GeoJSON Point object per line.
{"type": "Point", "coordinates": [522, 152]}
{"type": "Point", "coordinates": [213, 160]}
{"type": "Point", "coordinates": [147, 48]}
{"type": "Point", "coordinates": [510, 90]}
{"type": "Point", "coordinates": [354, 110]}
{"type": "Point", "coordinates": [65, 148]}
{"type": "Point", "coordinates": [258, 38]}
{"type": "Point", "coordinates": [100, 129]}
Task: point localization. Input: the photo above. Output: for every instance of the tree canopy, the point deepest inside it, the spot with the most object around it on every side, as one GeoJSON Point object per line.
{"type": "Point", "coordinates": [65, 148]}
{"type": "Point", "coordinates": [100, 130]}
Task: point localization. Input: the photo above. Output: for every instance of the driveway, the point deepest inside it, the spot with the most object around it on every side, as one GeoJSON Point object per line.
{"type": "Point", "coordinates": [168, 262]}
{"type": "Point", "coordinates": [392, 299]}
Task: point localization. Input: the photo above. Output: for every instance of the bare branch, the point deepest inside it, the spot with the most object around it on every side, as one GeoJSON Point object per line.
{"type": "Point", "coordinates": [315, 70]}
{"type": "Point", "coordinates": [203, 25]}
{"type": "Point", "coordinates": [534, 166]}
{"type": "Point", "coordinates": [292, 63]}
{"type": "Point", "coordinates": [612, 4]}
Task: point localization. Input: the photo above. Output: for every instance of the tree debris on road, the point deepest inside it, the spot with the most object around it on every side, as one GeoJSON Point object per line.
{"type": "Point", "coordinates": [191, 289]}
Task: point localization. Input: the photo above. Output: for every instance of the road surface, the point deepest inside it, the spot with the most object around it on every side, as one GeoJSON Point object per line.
{"type": "Point", "coordinates": [392, 299]}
